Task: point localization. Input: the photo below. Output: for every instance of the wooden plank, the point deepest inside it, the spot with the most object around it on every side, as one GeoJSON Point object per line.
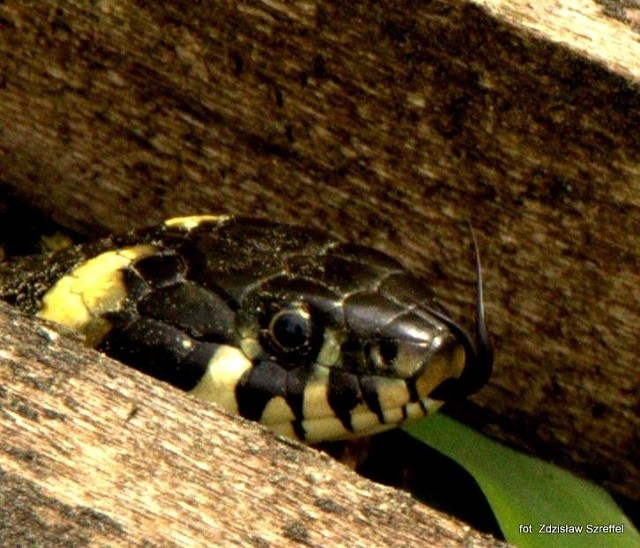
{"type": "Point", "coordinates": [606, 32]}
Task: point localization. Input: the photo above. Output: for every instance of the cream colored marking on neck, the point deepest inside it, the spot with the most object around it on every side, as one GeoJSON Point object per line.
{"type": "Point", "coordinates": [218, 384]}
{"type": "Point", "coordinates": [80, 298]}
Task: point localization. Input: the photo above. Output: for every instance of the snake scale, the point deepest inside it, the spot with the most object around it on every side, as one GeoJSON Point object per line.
{"type": "Point", "coordinates": [316, 338]}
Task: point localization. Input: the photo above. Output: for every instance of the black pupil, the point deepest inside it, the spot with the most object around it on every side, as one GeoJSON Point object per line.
{"type": "Point", "coordinates": [290, 329]}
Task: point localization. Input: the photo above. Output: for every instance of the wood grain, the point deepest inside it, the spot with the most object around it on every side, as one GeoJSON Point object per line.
{"type": "Point", "coordinates": [389, 125]}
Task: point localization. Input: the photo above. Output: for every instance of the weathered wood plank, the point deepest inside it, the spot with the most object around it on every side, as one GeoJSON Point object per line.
{"type": "Point", "coordinates": [604, 31]}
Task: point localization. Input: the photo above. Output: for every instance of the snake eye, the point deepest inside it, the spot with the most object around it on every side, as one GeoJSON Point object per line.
{"type": "Point", "coordinates": [290, 329]}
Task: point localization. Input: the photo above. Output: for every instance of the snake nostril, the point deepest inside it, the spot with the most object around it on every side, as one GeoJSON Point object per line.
{"type": "Point", "coordinates": [381, 356]}
{"type": "Point", "coordinates": [388, 350]}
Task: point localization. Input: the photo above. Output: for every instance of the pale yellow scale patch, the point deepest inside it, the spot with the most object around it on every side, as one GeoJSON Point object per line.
{"type": "Point", "coordinates": [393, 416]}
{"type": "Point", "coordinates": [94, 288]}
{"type": "Point", "coordinates": [218, 384]}
{"type": "Point", "coordinates": [315, 403]}
{"type": "Point", "coordinates": [362, 419]}
{"type": "Point", "coordinates": [331, 428]}
{"type": "Point", "coordinates": [326, 429]}
{"type": "Point", "coordinates": [192, 221]}
{"type": "Point", "coordinates": [316, 395]}
{"type": "Point", "coordinates": [277, 411]}
{"type": "Point", "coordinates": [441, 368]}
{"type": "Point", "coordinates": [392, 393]}
{"type": "Point", "coordinates": [329, 354]}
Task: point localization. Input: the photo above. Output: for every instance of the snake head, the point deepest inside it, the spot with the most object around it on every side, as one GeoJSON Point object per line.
{"type": "Point", "coordinates": [316, 338]}
{"type": "Point", "coordinates": [343, 341]}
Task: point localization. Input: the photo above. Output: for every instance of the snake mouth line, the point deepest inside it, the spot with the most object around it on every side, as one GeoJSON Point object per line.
{"type": "Point", "coordinates": [329, 428]}
{"type": "Point", "coordinates": [338, 405]}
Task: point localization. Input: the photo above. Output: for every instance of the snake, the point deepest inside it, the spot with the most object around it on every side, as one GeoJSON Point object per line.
{"type": "Point", "coordinates": [316, 338]}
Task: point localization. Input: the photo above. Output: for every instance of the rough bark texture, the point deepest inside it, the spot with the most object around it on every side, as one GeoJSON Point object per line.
{"type": "Point", "coordinates": [92, 452]}
{"type": "Point", "coordinates": [387, 123]}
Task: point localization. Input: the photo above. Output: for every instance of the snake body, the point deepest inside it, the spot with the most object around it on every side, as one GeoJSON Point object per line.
{"type": "Point", "coordinates": [316, 338]}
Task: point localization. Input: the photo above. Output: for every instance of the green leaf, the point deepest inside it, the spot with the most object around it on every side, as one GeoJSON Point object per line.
{"type": "Point", "coordinates": [526, 493]}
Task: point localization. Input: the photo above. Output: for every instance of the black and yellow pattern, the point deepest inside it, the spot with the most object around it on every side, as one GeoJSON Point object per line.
{"type": "Point", "coordinates": [316, 338]}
